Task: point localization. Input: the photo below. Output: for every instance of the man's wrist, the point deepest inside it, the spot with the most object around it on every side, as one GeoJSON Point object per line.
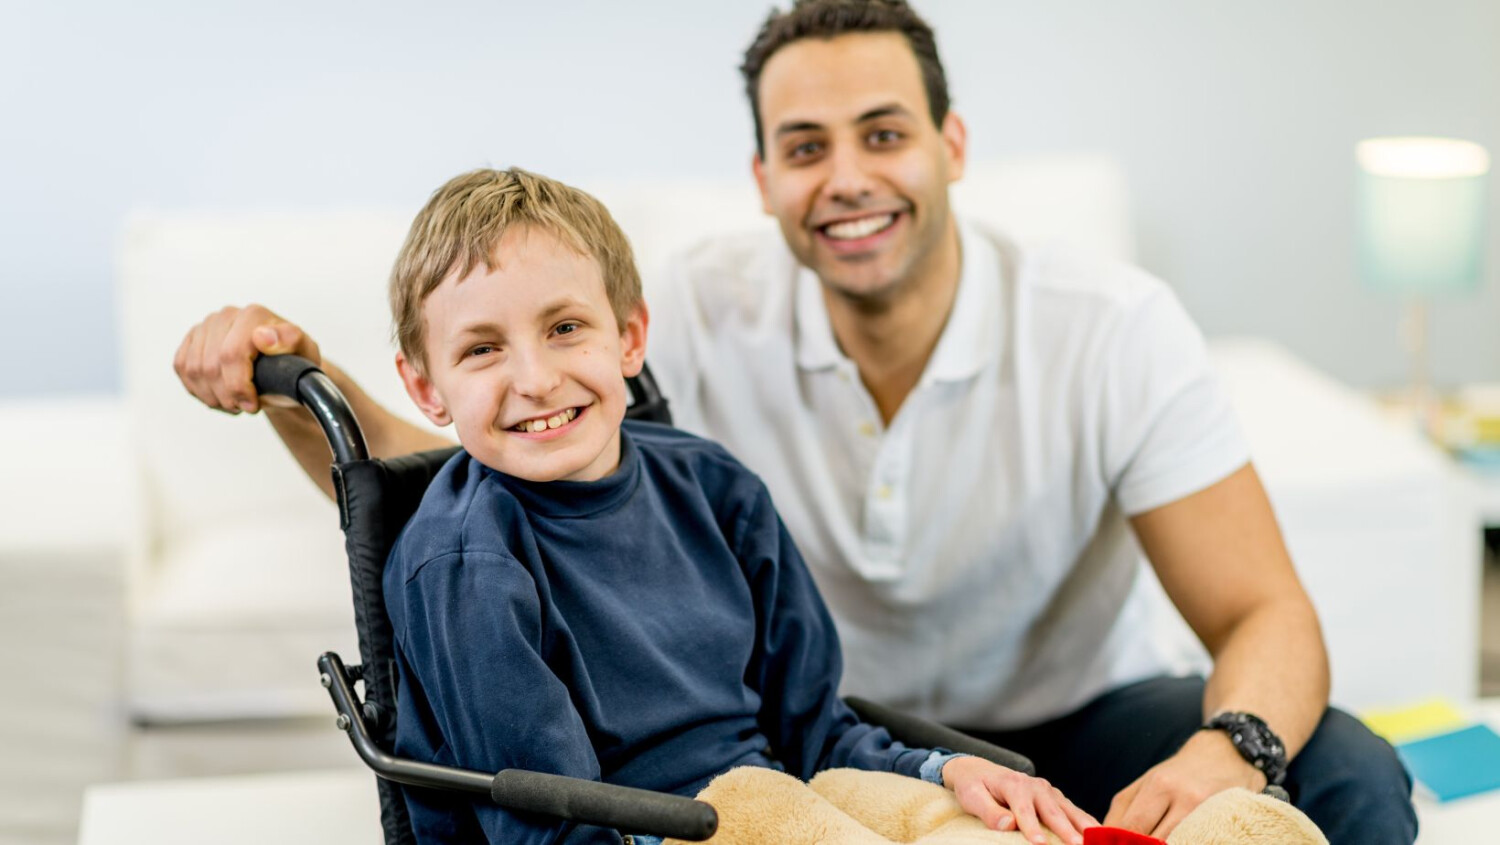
{"type": "Point", "coordinates": [1215, 748]}
{"type": "Point", "coordinates": [1253, 740]}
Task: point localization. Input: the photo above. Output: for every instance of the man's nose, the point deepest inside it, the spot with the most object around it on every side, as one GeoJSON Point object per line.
{"type": "Point", "coordinates": [849, 179]}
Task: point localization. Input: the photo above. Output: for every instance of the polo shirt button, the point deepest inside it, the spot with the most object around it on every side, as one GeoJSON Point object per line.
{"type": "Point", "coordinates": [867, 429]}
{"type": "Point", "coordinates": [884, 492]}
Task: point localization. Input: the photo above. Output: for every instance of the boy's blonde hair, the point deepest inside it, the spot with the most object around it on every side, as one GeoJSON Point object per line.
{"type": "Point", "coordinates": [462, 224]}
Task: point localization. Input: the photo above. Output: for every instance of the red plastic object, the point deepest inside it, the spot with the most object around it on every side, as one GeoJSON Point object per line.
{"type": "Point", "coordinates": [1116, 836]}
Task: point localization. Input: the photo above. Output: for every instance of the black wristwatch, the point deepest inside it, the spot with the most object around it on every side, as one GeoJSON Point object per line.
{"type": "Point", "coordinates": [1256, 742]}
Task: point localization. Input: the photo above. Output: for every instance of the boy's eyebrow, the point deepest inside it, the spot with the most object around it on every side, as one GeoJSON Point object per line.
{"type": "Point", "coordinates": [478, 327]}
{"type": "Point", "coordinates": [488, 327]}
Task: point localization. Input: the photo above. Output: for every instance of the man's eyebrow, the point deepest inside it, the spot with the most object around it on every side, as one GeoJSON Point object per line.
{"type": "Point", "coordinates": [797, 126]}
{"type": "Point", "coordinates": [888, 110]}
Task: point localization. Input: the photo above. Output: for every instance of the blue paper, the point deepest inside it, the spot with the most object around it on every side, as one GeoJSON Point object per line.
{"type": "Point", "coordinates": [1453, 765]}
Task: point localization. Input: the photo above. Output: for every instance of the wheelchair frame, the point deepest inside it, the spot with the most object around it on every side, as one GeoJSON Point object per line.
{"type": "Point", "coordinates": [370, 722]}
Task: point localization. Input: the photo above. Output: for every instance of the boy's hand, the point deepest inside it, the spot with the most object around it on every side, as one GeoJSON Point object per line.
{"type": "Point", "coordinates": [1005, 799]}
{"type": "Point", "coordinates": [215, 359]}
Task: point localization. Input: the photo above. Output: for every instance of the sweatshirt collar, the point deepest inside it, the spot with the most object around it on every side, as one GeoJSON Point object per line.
{"type": "Point", "coordinates": [576, 499]}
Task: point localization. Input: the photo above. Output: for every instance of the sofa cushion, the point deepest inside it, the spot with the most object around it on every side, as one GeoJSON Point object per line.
{"type": "Point", "coordinates": [234, 619]}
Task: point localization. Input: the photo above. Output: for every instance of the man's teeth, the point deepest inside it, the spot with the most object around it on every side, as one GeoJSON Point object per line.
{"type": "Point", "coordinates": [544, 423]}
{"type": "Point", "coordinates": [864, 227]}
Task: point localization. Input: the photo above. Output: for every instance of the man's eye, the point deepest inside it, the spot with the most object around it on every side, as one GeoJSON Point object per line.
{"type": "Point", "coordinates": [884, 137]}
{"type": "Point", "coordinates": [805, 149]}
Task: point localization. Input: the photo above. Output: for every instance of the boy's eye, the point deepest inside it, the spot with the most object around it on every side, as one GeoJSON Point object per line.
{"type": "Point", "coordinates": [481, 349]}
{"type": "Point", "coordinates": [567, 328]}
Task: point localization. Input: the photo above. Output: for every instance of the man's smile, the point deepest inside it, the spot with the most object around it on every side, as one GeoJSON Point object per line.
{"type": "Point", "coordinates": [858, 233]}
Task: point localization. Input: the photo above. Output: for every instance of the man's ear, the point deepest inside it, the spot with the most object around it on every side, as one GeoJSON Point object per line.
{"type": "Point", "coordinates": [758, 167]}
{"type": "Point", "coordinates": [633, 340]}
{"type": "Point", "coordinates": [421, 390]}
{"type": "Point", "coordinates": [956, 143]}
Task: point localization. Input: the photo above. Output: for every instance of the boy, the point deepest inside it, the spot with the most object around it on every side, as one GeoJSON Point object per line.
{"type": "Point", "coordinates": [588, 598]}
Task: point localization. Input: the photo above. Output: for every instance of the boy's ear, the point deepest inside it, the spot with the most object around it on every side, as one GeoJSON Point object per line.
{"type": "Point", "coordinates": [758, 167]}
{"type": "Point", "coordinates": [422, 391]}
{"type": "Point", "coordinates": [633, 340]}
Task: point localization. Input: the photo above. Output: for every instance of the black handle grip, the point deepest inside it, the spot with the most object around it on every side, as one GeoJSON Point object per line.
{"type": "Point", "coordinates": [591, 802]}
{"type": "Point", "coordinates": [278, 374]}
{"type": "Point", "coordinates": [300, 379]}
{"type": "Point", "coordinates": [920, 733]}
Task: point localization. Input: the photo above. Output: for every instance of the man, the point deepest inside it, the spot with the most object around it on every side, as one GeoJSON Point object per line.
{"type": "Point", "coordinates": [972, 443]}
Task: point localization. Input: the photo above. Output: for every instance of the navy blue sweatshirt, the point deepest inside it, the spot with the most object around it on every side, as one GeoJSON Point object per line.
{"type": "Point", "coordinates": [654, 629]}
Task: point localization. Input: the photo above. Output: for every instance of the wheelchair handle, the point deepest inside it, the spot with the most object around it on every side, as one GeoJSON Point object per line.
{"type": "Point", "coordinates": [623, 807]}
{"type": "Point", "coordinates": [298, 378]}
{"type": "Point", "coordinates": [571, 799]}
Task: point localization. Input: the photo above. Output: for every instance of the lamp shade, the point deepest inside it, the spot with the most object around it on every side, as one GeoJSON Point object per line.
{"type": "Point", "coordinates": [1421, 214]}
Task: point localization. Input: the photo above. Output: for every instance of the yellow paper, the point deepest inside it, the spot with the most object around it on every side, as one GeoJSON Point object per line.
{"type": "Point", "coordinates": [1424, 719]}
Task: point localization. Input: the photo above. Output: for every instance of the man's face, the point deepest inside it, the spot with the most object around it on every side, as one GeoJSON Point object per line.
{"type": "Point", "coordinates": [526, 360]}
{"type": "Point", "coordinates": [854, 170]}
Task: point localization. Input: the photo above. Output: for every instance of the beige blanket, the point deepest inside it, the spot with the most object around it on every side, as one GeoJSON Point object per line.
{"type": "Point", "coordinates": [759, 806]}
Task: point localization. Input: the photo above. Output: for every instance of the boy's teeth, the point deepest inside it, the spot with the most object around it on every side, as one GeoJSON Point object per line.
{"type": "Point", "coordinates": [554, 421]}
{"type": "Point", "coordinates": [856, 229]}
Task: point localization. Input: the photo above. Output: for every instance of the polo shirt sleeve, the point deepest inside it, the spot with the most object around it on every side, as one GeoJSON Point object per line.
{"type": "Point", "coordinates": [473, 634]}
{"type": "Point", "coordinates": [796, 667]}
{"type": "Point", "coordinates": [1166, 425]}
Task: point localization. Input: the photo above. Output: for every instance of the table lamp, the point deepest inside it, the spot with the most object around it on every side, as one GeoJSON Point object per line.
{"type": "Point", "coordinates": [1421, 232]}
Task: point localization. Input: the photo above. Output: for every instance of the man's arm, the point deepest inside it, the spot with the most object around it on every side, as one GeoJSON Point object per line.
{"type": "Point", "coordinates": [1221, 559]}
{"type": "Point", "coordinates": [215, 363]}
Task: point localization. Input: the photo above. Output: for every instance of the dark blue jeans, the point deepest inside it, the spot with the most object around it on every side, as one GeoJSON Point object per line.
{"type": "Point", "coordinates": [1346, 779]}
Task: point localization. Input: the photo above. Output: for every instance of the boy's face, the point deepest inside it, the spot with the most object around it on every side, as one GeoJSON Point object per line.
{"type": "Point", "coordinates": [527, 361]}
{"type": "Point", "coordinates": [855, 171]}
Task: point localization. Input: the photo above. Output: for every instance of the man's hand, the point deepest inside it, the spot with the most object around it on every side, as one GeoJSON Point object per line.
{"type": "Point", "coordinates": [216, 357]}
{"type": "Point", "coordinates": [1207, 765]}
{"type": "Point", "coordinates": [1005, 799]}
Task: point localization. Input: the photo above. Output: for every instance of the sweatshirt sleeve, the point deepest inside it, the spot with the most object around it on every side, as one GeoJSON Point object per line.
{"type": "Point", "coordinates": [797, 666]}
{"type": "Point", "coordinates": [473, 633]}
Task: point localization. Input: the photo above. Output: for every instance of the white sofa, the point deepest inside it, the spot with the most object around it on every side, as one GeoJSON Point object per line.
{"type": "Point", "coordinates": [237, 581]}
{"type": "Point", "coordinates": [221, 568]}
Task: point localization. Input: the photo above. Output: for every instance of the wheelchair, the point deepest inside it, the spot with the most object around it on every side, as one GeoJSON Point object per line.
{"type": "Point", "coordinates": [375, 498]}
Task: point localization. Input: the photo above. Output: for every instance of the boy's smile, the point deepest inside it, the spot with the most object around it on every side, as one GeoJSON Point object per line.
{"type": "Point", "coordinates": [526, 359]}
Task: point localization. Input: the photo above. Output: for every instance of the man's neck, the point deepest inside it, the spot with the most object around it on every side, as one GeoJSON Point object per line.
{"type": "Point", "coordinates": [891, 340]}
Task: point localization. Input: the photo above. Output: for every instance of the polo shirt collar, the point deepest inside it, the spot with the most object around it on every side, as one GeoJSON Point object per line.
{"type": "Point", "coordinates": [967, 343]}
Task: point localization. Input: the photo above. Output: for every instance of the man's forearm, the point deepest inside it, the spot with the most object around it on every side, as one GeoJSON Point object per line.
{"type": "Point", "coordinates": [1274, 664]}
{"type": "Point", "coordinates": [386, 435]}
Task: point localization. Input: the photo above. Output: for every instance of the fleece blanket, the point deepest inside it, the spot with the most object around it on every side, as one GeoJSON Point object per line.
{"type": "Point", "coordinates": [852, 807]}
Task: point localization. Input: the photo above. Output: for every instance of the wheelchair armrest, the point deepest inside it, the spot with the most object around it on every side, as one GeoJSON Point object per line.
{"type": "Point", "coordinates": [567, 798]}
{"type": "Point", "coordinates": [921, 733]}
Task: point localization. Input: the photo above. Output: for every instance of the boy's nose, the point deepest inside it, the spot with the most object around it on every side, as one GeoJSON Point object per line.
{"type": "Point", "coordinates": [535, 376]}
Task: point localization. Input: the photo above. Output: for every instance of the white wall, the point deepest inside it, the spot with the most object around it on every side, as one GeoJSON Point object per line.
{"type": "Point", "coordinates": [1235, 122]}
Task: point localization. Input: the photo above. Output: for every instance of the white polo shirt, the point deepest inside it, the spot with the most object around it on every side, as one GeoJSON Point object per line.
{"type": "Point", "coordinates": [974, 553]}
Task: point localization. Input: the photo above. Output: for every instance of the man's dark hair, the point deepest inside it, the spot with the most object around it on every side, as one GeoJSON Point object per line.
{"type": "Point", "coordinates": [828, 19]}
